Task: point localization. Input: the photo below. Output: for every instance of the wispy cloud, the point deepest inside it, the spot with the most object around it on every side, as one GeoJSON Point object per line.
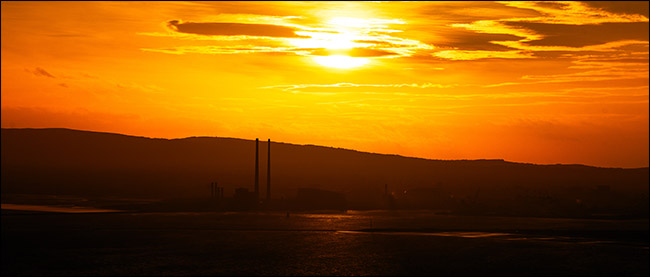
{"type": "Point", "coordinates": [233, 29]}
{"type": "Point", "coordinates": [40, 72]}
{"type": "Point", "coordinates": [369, 37]}
{"type": "Point", "coordinates": [237, 49]}
{"type": "Point", "coordinates": [562, 26]}
{"type": "Point", "coordinates": [352, 85]}
{"type": "Point", "coordinates": [482, 54]}
{"type": "Point", "coordinates": [571, 12]}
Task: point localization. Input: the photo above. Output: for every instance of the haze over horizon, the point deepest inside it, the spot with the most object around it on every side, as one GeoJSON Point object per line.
{"type": "Point", "coordinates": [528, 82]}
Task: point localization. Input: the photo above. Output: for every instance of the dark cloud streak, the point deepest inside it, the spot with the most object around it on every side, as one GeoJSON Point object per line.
{"type": "Point", "coordinates": [626, 7]}
{"type": "Point", "coordinates": [40, 72]}
{"type": "Point", "coordinates": [584, 35]}
{"type": "Point", "coordinates": [233, 29]}
{"type": "Point", "coordinates": [469, 40]}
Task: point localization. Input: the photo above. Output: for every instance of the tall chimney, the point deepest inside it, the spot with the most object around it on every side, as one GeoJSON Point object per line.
{"type": "Point", "coordinates": [257, 169]}
{"type": "Point", "coordinates": [268, 173]}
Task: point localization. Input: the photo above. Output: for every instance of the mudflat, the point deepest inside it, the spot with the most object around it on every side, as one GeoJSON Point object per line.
{"type": "Point", "coordinates": [347, 243]}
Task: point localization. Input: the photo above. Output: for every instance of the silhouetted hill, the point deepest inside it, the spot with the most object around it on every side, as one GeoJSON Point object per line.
{"type": "Point", "coordinates": [63, 161]}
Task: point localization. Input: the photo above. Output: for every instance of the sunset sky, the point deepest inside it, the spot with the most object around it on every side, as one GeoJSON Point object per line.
{"type": "Point", "coordinates": [534, 82]}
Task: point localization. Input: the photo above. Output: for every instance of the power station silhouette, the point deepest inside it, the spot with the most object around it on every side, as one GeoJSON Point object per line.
{"type": "Point", "coordinates": [306, 198]}
{"type": "Point", "coordinates": [257, 171]}
{"type": "Point", "coordinates": [246, 200]}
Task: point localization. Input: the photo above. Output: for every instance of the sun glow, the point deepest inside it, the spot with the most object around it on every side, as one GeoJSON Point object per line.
{"type": "Point", "coordinates": [333, 44]}
{"type": "Point", "coordinates": [340, 61]}
{"type": "Point", "coordinates": [340, 40]}
{"type": "Point", "coordinates": [349, 22]}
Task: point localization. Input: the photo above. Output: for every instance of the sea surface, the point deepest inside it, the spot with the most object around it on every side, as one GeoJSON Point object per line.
{"type": "Point", "coordinates": [93, 241]}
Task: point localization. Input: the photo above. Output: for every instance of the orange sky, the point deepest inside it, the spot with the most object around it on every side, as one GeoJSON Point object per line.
{"type": "Point", "coordinates": [536, 82]}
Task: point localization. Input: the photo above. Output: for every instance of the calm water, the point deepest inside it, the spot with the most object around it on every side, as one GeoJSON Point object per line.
{"type": "Point", "coordinates": [350, 243]}
{"type": "Point", "coordinates": [54, 209]}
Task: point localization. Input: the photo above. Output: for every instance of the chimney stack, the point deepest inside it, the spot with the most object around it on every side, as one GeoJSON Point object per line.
{"type": "Point", "coordinates": [257, 169]}
{"type": "Point", "coordinates": [268, 173]}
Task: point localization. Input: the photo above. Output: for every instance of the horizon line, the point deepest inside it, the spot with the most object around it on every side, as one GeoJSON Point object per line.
{"type": "Point", "coordinates": [334, 147]}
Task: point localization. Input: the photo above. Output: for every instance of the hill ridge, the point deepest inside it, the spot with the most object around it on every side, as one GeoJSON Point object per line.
{"type": "Point", "coordinates": [313, 145]}
{"type": "Point", "coordinates": [95, 164]}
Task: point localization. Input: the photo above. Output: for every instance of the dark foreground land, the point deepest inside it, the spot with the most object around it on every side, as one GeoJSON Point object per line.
{"type": "Point", "coordinates": [349, 243]}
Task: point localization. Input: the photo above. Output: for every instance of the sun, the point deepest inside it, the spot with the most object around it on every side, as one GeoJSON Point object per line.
{"type": "Point", "coordinates": [340, 61]}
{"type": "Point", "coordinates": [338, 36]}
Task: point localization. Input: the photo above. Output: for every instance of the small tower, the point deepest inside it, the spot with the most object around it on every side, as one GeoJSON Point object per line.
{"type": "Point", "coordinates": [268, 173]}
{"type": "Point", "coordinates": [257, 169]}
